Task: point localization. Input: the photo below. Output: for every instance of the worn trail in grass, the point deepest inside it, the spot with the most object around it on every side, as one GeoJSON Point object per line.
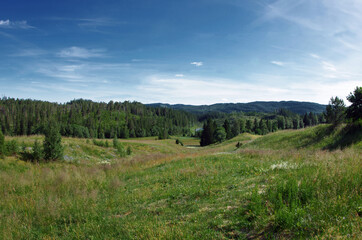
{"type": "Point", "coordinates": [259, 191]}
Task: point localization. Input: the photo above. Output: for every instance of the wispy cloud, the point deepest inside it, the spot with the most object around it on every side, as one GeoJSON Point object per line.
{"type": "Point", "coordinates": [98, 22]}
{"type": "Point", "coordinates": [179, 75]}
{"type": "Point", "coordinates": [284, 9]}
{"type": "Point", "coordinates": [197, 64]}
{"type": "Point", "coordinates": [14, 24]}
{"type": "Point", "coordinates": [78, 52]}
{"type": "Point", "coordinates": [29, 53]}
{"type": "Point", "coordinates": [277, 63]}
{"type": "Point", "coordinates": [313, 55]}
{"type": "Point", "coordinates": [329, 66]}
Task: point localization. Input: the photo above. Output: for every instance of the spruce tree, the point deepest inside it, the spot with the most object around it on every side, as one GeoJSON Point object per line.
{"type": "Point", "coordinates": [227, 129]}
{"type": "Point", "coordinates": [53, 149]}
{"type": "Point", "coordinates": [248, 126]}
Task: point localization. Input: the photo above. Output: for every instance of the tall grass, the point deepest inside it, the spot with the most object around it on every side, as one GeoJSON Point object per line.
{"type": "Point", "coordinates": [218, 192]}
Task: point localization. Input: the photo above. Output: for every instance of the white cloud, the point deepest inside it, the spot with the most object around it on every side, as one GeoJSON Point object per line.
{"type": "Point", "coordinates": [197, 64]}
{"type": "Point", "coordinates": [4, 23]}
{"type": "Point", "coordinates": [179, 75]}
{"type": "Point", "coordinates": [78, 52]}
{"type": "Point", "coordinates": [277, 63]}
{"type": "Point", "coordinates": [14, 24]}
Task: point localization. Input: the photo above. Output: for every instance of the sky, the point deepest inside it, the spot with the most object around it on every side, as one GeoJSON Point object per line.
{"type": "Point", "coordinates": [172, 51]}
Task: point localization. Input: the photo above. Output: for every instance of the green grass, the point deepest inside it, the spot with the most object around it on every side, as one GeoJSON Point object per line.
{"type": "Point", "coordinates": [319, 137]}
{"type": "Point", "coordinates": [275, 186]}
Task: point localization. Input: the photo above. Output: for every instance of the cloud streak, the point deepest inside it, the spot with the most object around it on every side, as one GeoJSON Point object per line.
{"type": "Point", "coordinates": [197, 64]}
{"type": "Point", "coordinates": [78, 52]}
{"type": "Point", "coordinates": [14, 24]}
{"type": "Point", "coordinates": [278, 63]}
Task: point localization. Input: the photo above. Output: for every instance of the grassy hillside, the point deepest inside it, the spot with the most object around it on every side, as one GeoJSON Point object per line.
{"type": "Point", "coordinates": [320, 137]}
{"type": "Point", "coordinates": [274, 186]}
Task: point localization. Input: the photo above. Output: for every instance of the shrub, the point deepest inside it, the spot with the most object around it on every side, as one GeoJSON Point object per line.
{"type": "Point", "coordinates": [129, 150]}
{"type": "Point", "coordinates": [115, 142]}
{"type": "Point", "coordinates": [37, 153]}
{"type": "Point", "coordinates": [100, 143]}
{"type": "Point", "coordinates": [11, 147]}
{"type": "Point", "coordinates": [179, 142]}
{"type": "Point", "coordinates": [121, 151]}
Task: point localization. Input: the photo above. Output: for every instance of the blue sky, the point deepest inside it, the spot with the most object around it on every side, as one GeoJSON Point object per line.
{"type": "Point", "coordinates": [171, 51]}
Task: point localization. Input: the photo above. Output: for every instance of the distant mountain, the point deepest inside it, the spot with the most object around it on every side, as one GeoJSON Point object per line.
{"type": "Point", "coordinates": [266, 107]}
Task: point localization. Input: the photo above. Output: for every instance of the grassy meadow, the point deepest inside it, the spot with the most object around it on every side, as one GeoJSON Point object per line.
{"type": "Point", "coordinates": [293, 184]}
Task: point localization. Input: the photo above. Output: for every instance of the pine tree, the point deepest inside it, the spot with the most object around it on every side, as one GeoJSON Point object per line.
{"type": "Point", "coordinates": [53, 149]}
{"type": "Point", "coordinates": [335, 111]}
{"type": "Point", "coordinates": [354, 111]}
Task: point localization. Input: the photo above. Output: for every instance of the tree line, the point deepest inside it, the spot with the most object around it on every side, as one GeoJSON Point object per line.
{"type": "Point", "coordinates": [218, 130]}
{"type": "Point", "coordinates": [88, 119]}
{"type": "Point", "coordinates": [336, 113]}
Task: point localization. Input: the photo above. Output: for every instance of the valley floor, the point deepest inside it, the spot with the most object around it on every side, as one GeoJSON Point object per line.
{"type": "Point", "coordinates": [303, 184]}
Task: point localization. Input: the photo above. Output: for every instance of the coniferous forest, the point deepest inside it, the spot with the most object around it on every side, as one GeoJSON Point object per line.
{"type": "Point", "coordinates": [88, 119]}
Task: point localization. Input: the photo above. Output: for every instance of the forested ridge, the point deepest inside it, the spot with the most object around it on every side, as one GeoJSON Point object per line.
{"type": "Point", "coordinates": [85, 118]}
{"type": "Point", "coordinates": [260, 106]}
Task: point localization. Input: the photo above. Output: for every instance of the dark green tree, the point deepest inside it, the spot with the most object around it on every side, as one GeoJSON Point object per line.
{"type": "Point", "coordinates": [235, 129]}
{"type": "Point", "coordinates": [263, 127]}
{"type": "Point", "coordinates": [256, 126]}
{"type": "Point", "coordinates": [52, 145]}
{"type": "Point", "coordinates": [335, 111]}
{"type": "Point", "coordinates": [242, 125]}
{"type": "Point", "coordinates": [208, 133]}
{"type": "Point", "coordinates": [306, 120]}
{"type": "Point", "coordinates": [227, 129]}
{"type": "Point", "coordinates": [354, 111]}
{"type": "Point", "coordinates": [248, 126]}
{"type": "Point", "coordinates": [220, 134]}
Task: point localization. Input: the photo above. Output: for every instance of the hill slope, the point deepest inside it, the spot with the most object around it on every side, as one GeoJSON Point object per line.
{"type": "Point", "coordinates": [322, 136]}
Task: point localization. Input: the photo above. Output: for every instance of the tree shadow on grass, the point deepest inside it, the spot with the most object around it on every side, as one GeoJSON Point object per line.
{"type": "Point", "coordinates": [321, 133]}
{"type": "Point", "coordinates": [349, 135]}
